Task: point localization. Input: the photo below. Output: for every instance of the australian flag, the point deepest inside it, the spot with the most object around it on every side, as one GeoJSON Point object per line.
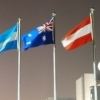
{"type": "Point", "coordinates": [41, 35]}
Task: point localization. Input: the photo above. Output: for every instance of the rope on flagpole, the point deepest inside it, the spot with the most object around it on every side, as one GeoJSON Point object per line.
{"type": "Point", "coordinates": [53, 17]}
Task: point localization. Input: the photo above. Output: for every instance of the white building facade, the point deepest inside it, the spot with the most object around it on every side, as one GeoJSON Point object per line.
{"type": "Point", "coordinates": [83, 85]}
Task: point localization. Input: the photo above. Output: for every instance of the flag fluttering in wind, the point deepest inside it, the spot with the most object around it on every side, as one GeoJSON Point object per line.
{"type": "Point", "coordinates": [8, 39]}
{"type": "Point", "coordinates": [79, 35]}
{"type": "Point", "coordinates": [41, 35]}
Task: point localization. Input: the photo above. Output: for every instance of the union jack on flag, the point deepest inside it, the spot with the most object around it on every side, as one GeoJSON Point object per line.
{"type": "Point", "coordinates": [46, 27]}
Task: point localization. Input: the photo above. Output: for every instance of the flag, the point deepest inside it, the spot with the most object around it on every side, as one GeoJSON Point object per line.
{"type": "Point", "coordinates": [8, 39]}
{"type": "Point", "coordinates": [41, 35]}
{"type": "Point", "coordinates": [79, 35]}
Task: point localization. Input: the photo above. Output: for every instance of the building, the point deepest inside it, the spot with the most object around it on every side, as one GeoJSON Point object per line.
{"type": "Point", "coordinates": [83, 85]}
{"type": "Point", "coordinates": [51, 98]}
{"type": "Point", "coordinates": [92, 92]}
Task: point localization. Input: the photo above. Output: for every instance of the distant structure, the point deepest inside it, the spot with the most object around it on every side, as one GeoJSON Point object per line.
{"type": "Point", "coordinates": [83, 85]}
{"type": "Point", "coordinates": [84, 88]}
{"type": "Point", "coordinates": [51, 98]}
{"type": "Point", "coordinates": [92, 92]}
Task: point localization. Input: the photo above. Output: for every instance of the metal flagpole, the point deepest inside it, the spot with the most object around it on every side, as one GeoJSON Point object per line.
{"type": "Point", "coordinates": [19, 59]}
{"type": "Point", "coordinates": [94, 56]}
{"type": "Point", "coordinates": [54, 57]}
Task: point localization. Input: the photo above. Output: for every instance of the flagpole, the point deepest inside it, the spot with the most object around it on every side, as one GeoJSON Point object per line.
{"type": "Point", "coordinates": [94, 56]}
{"type": "Point", "coordinates": [54, 57]}
{"type": "Point", "coordinates": [19, 59]}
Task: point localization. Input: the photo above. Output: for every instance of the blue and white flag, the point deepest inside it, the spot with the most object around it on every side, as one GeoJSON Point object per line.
{"type": "Point", "coordinates": [8, 39]}
{"type": "Point", "coordinates": [41, 35]}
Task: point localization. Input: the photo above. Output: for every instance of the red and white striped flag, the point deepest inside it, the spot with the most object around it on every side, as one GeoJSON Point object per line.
{"type": "Point", "coordinates": [78, 36]}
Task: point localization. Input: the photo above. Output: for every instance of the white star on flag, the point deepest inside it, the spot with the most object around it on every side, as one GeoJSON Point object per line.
{"type": "Point", "coordinates": [28, 43]}
{"type": "Point", "coordinates": [29, 35]}
{"type": "Point", "coordinates": [44, 38]}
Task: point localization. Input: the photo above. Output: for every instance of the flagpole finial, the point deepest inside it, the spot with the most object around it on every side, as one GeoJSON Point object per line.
{"type": "Point", "coordinates": [92, 9]}
{"type": "Point", "coordinates": [19, 18]}
{"type": "Point", "coordinates": [53, 14]}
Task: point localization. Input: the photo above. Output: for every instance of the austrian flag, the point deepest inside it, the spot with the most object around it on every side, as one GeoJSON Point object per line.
{"type": "Point", "coordinates": [79, 35]}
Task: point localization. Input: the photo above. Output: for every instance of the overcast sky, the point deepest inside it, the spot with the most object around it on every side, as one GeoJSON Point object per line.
{"type": "Point", "coordinates": [37, 63]}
